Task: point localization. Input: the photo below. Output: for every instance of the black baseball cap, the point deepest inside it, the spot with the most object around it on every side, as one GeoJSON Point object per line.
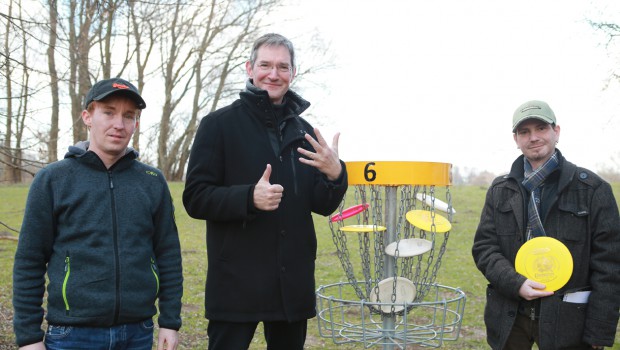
{"type": "Point", "coordinates": [105, 88]}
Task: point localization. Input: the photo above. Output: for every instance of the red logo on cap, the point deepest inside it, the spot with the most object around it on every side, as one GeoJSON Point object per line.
{"type": "Point", "coordinates": [120, 86]}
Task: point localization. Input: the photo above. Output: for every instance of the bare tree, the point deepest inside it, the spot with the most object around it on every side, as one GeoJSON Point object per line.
{"type": "Point", "coordinates": [231, 53]}
{"type": "Point", "coordinates": [80, 23]}
{"type": "Point", "coordinates": [610, 170]}
{"type": "Point", "coordinates": [612, 33]}
{"type": "Point", "coordinates": [7, 159]}
{"type": "Point", "coordinates": [52, 144]}
{"type": "Point", "coordinates": [22, 110]}
{"type": "Point", "coordinates": [144, 31]}
{"type": "Point", "coordinates": [224, 30]}
{"type": "Point", "coordinates": [175, 57]}
{"type": "Point", "coordinates": [202, 46]}
{"type": "Point", "coordinates": [17, 88]}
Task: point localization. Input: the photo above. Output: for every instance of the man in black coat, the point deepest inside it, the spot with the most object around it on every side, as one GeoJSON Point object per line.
{"type": "Point", "coordinates": [257, 171]}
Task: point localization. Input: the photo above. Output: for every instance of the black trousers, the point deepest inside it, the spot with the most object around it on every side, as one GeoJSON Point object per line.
{"type": "Point", "coordinates": [524, 334]}
{"type": "Point", "coordinates": [280, 335]}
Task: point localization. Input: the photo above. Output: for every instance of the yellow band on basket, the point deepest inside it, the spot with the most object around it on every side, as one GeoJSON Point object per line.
{"type": "Point", "coordinates": [399, 173]}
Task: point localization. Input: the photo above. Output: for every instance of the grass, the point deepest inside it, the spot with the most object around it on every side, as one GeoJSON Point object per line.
{"type": "Point", "coordinates": [457, 270]}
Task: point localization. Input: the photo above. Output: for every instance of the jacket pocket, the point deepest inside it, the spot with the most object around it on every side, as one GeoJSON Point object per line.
{"type": "Point", "coordinates": [493, 313]}
{"type": "Point", "coordinates": [225, 241]}
{"type": "Point", "coordinates": [155, 272]}
{"type": "Point", "coordinates": [570, 324]}
{"type": "Point", "coordinates": [506, 219]}
{"type": "Point", "coordinates": [508, 235]}
{"type": "Point", "coordinates": [57, 332]}
{"type": "Point", "coordinates": [65, 282]}
{"type": "Point", "coordinates": [573, 221]}
{"type": "Point", "coordinates": [294, 170]}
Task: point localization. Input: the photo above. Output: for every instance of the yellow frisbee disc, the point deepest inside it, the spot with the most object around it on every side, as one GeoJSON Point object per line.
{"type": "Point", "coordinates": [545, 260]}
{"type": "Point", "coordinates": [362, 228]}
{"type": "Point", "coordinates": [424, 220]}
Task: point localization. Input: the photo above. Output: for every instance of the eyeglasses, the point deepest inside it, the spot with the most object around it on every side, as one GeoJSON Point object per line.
{"type": "Point", "coordinates": [268, 67]}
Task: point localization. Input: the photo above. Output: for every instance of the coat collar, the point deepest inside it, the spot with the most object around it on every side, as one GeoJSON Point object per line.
{"type": "Point", "coordinates": [567, 170]}
{"type": "Point", "coordinates": [295, 104]}
{"type": "Point", "coordinates": [80, 152]}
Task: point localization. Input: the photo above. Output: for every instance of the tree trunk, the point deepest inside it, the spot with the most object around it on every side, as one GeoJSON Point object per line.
{"type": "Point", "coordinates": [7, 158]}
{"type": "Point", "coordinates": [52, 143]}
{"type": "Point", "coordinates": [79, 46]}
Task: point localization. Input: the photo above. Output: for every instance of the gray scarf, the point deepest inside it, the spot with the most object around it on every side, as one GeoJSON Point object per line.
{"type": "Point", "coordinates": [533, 182]}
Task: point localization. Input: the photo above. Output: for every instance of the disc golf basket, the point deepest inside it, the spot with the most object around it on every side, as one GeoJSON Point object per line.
{"type": "Point", "coordinates": [390, 242]}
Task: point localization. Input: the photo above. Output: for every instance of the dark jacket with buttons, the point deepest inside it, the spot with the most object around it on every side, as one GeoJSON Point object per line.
{"type": "Point", "coordinates": [580, 210]}
{"type": "Point", "coordinates": [107, 240]}
{"type": "Point", "coordinates": [260, 263]}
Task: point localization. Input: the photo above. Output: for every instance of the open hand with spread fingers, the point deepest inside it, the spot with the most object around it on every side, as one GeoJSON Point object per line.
{"type": "Point", "coordinates": [325, 158]}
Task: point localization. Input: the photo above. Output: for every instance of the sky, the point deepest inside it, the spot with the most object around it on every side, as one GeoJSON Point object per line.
{"type": "Point", "coordinates": [439, 80]}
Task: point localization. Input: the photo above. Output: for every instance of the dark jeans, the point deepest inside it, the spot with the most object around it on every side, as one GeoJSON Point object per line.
{"type": "Point", "coordinates": [279, 335]}
{"type": "Point", "coordinates": [523, 335]}
{"type": "Point", "coordinates": [133, 336]}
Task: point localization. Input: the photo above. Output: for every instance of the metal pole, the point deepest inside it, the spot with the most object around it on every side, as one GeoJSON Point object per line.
{"type": "Point", "coordinates": [391, 222]}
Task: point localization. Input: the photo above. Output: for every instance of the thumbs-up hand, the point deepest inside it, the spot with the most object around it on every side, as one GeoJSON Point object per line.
{"type": "Point", "coordinates": [267, 197]}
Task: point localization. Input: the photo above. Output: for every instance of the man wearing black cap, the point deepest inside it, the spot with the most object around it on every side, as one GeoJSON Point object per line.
{"type": "Point", "coordinates": [546, 195]}
{"type": "Point", "coordinates": [100, 224]}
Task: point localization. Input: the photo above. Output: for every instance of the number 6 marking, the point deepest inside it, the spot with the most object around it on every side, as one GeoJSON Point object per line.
{"type": "Point", "coordinates": [369, 174]}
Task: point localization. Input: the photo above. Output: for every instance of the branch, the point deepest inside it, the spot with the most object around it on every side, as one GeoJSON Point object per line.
{"type": "Point", "coordinates": [6, 235]}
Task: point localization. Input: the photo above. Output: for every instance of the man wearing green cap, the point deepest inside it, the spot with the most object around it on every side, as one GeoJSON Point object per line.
{"type": "Point", "coordinates": [100, 225]}
{"type": "Point", "coordinates": [546, 195]}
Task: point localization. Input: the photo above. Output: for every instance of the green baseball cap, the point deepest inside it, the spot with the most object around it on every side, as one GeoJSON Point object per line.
{"type": "Point", "coordinates": [533, 109]}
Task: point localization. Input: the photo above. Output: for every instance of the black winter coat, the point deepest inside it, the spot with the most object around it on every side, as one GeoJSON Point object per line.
{"type": "Point", "coordinates": [260, 264]}
{"type": "Point", "coordinates": [582, 213]}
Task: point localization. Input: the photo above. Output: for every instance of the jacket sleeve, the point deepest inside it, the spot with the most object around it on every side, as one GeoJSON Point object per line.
{"type": "Point", "coordinates": [167, 251]}
{"type": "Point", "coordinates": [488, 255]}
{"type": "Point", "coordinates": [604, 300]}
{"type": "Point", "coordinates": [329, 194]}
{"type": "Point", "coordinates": [33, 251]}
{"type": "Point", "coordinates": [205, 195]}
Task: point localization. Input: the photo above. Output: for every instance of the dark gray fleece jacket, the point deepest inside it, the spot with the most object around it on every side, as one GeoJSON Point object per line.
{"type": "Point", "coordinates": [108, 242]}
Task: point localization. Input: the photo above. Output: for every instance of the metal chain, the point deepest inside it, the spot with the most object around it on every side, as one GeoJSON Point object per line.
{"type": "Point", "coordinates": [364, 240]}
{"type": "Point", "coordinates": [423, 274]}
{"type": "Point", "coordinates": [449, 201]}
{"type": "Point", "coordinates": [340, 241]}
{"type": "Point", "coordinates": [442, 249]}
{"type": "Point", "coordinates": [424, 284]}
{"type": "Point", "coordinates": [407, 203]}
{"type": "Point", "coordinates": [377, 219]}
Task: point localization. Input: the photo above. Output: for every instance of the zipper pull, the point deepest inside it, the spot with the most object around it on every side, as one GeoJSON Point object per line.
{"type": "Point", "coordinates": [533, 314]}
